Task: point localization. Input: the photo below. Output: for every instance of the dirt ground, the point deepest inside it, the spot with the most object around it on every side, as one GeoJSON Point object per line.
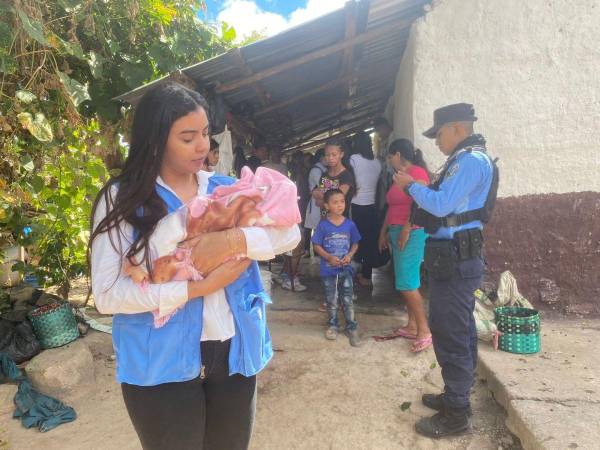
{"type": "Point", "coordinates": [314, 395]}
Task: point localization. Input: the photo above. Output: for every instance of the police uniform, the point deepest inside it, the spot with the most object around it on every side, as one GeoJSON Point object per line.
{"type": "Point", "coordinates": [453, 259]}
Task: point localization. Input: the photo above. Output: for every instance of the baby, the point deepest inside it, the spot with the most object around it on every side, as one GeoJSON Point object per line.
{"type": "Point", "coordinates": [266, 198]}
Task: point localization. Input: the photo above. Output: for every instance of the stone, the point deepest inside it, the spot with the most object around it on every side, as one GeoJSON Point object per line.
{"type": "Point", "coordinates": [64, 371]}
{"type": "Point", "coordinates": [22, 294]}
{"type": "Point", "coordinates": [549, 291]}
{"type": "Point", "coordinates": [7, 395]}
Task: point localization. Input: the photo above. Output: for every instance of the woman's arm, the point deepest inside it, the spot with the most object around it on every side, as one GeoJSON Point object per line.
{"type": "Point", "coordinates": [383, 234]}
{"type": "Point", "coordinates": [116, 293]}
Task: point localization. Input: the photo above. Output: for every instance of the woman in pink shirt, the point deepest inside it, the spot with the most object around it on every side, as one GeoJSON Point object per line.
{"type": "Point", "coordinates": [406, 241]}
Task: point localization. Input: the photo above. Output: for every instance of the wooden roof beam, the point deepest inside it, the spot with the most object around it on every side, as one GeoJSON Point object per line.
{"type": "Point", "coordinates": [240, 61]}
{"type": "Point", "coordinates": [325, 87]}
{"type": "Point", "coordinates": [375, 33]}
{"type": "Point", "coordinates": [319, 142]}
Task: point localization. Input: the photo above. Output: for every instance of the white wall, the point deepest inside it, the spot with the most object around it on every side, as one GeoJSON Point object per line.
{"type": "Point", "coordinates": [532, 70]}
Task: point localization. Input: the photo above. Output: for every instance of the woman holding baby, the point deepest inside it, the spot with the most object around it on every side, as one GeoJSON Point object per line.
{"type": "Point", "coordinates": [190, 382]}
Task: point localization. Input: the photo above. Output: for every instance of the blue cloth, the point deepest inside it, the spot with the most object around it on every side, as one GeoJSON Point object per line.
{"type": "Point", "coordinates": [464, 188]}
{"type": "Point", "coordinates": [407, 262]}
{"type": "Point", "coordinates": [453, 330]}
{"type": "Point", "coordinates": [33, 408]}
{"type": "Point", "coordinates": [147, 356]}
{"type": "Point", "coordinates": [335, 240]}
{"type": "Point", "coordinates": [340, 288]}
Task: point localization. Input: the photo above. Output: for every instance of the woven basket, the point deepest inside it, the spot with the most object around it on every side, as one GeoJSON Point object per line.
{"type": "Point", "coordinates": [54, 324]}
{"type": "Point", "coordinates": [520, 328]}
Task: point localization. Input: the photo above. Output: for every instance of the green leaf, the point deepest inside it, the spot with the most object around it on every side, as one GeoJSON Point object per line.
{"type": "Point", "coordinates": [33, 28]}
{"type": "Point", "coordinates": [136, 73]}
{"type": "Point", "coordinates": [27, 164]}
{"type": "Point", "coordinates": [406, 405]}
{"type": "Point", "coordinates": [70, 5]}
{"type": "Point", "coordinates": [6, 35]}
{"type": "Point", "coordinates": [72, 48]}
{"type": "Point", "coordinates": [39, 127]}
{"type": "Point", "coordinates": [8, 64]}
{"type": "Point", "coordinates": [228, 32]}
{"type": "Point", "coordinates": [77, 91]}
{"type": "Point", "coordinates": [25, 96]}
{"type": "Point", "coordinates": [37, 183]}
{"type": "Point", "coordinates": [95, 62]}
{"type": "Point", "coordinates": [433, 365]}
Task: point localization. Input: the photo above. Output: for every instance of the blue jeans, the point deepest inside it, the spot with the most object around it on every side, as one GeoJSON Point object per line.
{"type": "Point", "coordinates": [340, 287]}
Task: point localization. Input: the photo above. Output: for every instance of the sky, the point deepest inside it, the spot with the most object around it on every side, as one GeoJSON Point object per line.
{"type": "Point", "coordinates": [267, 16]}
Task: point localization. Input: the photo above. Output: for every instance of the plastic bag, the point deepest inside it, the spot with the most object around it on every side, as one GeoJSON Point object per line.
{"type": "Point", "coordinates": [18, 341]}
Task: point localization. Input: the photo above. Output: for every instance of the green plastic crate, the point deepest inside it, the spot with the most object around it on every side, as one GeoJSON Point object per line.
{"type": "Point", "coordinates": [54, 324]}
{"type": "Point", "coordinates": [520, 328]}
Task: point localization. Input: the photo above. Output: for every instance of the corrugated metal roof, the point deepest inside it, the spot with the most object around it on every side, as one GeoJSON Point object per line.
{"type": "Point", "coordinates": [343, 88]}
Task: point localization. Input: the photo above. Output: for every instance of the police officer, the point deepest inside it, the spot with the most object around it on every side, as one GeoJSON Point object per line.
{"type": "Point", "coordinates": [453, 211]}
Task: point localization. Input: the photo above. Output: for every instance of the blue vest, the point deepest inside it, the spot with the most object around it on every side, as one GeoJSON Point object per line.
{"type": "Point", "coordinates": [147, 356]}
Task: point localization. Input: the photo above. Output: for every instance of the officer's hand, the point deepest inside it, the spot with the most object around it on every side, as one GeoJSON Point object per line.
{"type": "Point", "coordinates": [402, 179]}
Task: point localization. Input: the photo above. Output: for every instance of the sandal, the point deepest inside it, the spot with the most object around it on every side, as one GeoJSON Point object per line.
{"type": "Point", "coordinates": [401, 332]}
{"type": "Point", "coordinates": [421, 344]}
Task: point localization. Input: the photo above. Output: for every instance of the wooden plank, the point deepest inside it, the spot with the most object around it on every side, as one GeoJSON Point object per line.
{"type": "Point", "coordinates": [367, 116]}
{"type": "Point", "coordinates": [350, 33]}
{"type": "Point", "coordinates": [318, 54]}
{"type": "Point", "coordinates": [325, 87]}
{"type": "Point", "coordinates": [320, 142]}
{"type": "Point", "coordinates": [247, 71]}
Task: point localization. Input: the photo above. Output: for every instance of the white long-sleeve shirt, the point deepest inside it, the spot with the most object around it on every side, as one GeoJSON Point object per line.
{"type": "Point", "coordinates": [116, 293]}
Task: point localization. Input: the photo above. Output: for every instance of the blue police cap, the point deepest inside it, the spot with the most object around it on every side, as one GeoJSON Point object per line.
{"type": "Point", "coordinates": [459, 112]}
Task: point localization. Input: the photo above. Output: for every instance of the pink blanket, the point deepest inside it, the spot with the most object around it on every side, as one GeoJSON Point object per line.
{"type": "Point", "coordinates": [264, 198]}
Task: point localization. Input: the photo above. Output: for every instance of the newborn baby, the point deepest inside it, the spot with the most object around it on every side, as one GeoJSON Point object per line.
{"type": "Point", "coordinates": [266, 198]}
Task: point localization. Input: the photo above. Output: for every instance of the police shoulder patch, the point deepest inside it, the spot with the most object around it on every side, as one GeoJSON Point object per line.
{"type": "Point", "coordinates": [452, 170]}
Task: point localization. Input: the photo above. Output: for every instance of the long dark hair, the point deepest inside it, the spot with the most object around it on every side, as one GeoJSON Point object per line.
{"type": "Point", "coordinates": [136, 201]}
{"type": "Point", "coordinates": [362, 145]}
{"type": "Point", "coordinates": [408, 152]}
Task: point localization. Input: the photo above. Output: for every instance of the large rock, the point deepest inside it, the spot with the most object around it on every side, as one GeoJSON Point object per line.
{"type": "Point", "coordinates": [62, 372]}
{"type": "Point", "coordinates": [7, 395]}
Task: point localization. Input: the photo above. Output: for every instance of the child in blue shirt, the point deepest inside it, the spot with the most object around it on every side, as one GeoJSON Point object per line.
{"type": "Point", "coordinates": [336, 241]}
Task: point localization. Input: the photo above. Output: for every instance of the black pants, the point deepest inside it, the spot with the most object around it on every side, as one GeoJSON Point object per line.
{"type": "Point", "coordinates": [212, 412]}
{"type": "Point", "coordinates": [453, 330]}
{"type": "Point", "coordinates": [366, 220]}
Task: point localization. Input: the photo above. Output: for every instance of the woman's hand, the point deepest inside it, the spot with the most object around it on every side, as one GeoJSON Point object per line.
{"type": "Point", "coordinates": [403, 236]}
{"type": "Point", "coordinates": [384, 242]}
{"type": "Point", "coordinates": [213, 249]}
{"type": "Point", "coordinates": [222, 276]}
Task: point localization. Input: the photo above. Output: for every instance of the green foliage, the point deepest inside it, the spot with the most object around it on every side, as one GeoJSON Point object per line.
{"type": "Point", "coordinates": [62, 63]}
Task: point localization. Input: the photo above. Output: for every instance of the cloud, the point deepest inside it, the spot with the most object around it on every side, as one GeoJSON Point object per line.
{"type": "Point", "coordinates": [246, 16]}
{"type": "Point", "coordinates": [314, 9]}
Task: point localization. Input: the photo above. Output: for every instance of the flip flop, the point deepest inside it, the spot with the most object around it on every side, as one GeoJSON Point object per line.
{"type": "Point", "coordinates": [401, 332]}
{"type": "Point", "coordinates": [421, 344]}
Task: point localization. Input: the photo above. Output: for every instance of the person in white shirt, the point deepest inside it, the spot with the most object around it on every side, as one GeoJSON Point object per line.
{"type": "Point", "coordinates": [173, 400]}
{"type": "Point", "coordinates": [364, 211]}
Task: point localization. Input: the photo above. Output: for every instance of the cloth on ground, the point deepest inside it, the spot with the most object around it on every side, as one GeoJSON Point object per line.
{"type": "Point", "coordinates": [507, 295]}
{"type": "Point", "coordinates": [33, 408]}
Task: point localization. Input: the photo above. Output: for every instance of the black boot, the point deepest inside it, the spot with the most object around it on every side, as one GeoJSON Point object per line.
{"type": "Point", "coordinates": [436, 402]}
{"type": "Point", "coordinates": [433, 401]}
{"type": "Point", "coordinates": [447, 422]}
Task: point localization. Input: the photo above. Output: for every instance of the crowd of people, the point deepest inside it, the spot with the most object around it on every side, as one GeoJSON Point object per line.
{"type": "Point", "coordinates": [191, 382]}
{"type": "Point", "coordinates": [372, 227]}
